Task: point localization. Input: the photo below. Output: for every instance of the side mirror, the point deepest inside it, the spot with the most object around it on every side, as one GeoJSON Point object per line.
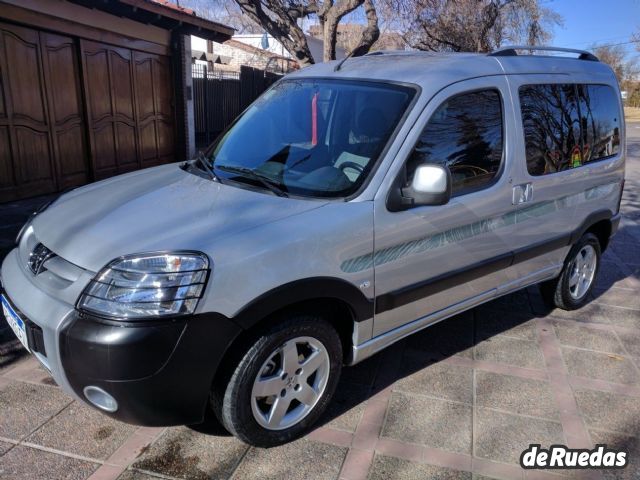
{"type": "Point", "coordinates": [431, 185]}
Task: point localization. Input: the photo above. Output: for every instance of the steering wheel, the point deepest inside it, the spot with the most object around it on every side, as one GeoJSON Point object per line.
{"type": "Point", "coordinates": [356, 166]}
{"type": "Point", "coordinates": [474, 170]}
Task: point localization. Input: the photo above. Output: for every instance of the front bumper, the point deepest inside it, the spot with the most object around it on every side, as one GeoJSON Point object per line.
{"type": "Point", "coordinates": [40, 308]}
{"type": "Point", "coordinates": [160, 373]}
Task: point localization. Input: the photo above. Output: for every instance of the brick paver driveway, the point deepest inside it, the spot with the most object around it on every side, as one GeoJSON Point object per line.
{"type": "Point", "coordinates": [459, 400]}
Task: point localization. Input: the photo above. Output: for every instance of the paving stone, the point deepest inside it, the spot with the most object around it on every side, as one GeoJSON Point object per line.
{"type": "Point", "coordinates": [302, 459]}
{"type": "Point", "coordinates": [601, 366]}
{"type": "Point", "coordinates": [608, 411]}
{"type": "Point", "coordinates": [631, 341]}
{"type": "Point", "coordinates": [574, 335]}
{"type": "Point", "coordinates": [515, 395]}
{"type": "Point", "coordinates": [618, 297]}
{"type": "Point", "coordinates": [428, 421]}
{"type": "Point", "coordinates": [5, 447]}
{"type": "Point", "coordinates": [599, 313]}
{"type": "Point", "coordinates": [513, 323]}
{"type": "Point", "coordinates": [22, 463]}
{"type": "Point", "coordinates": [25, 406]}
{"type": "Point", "coordinates": [347, 406]}
{"type": "Point", "coordinates": [95, 435]}
{"type": "Point", "coordinates": [503, 437]}
{"type": "Point", "coordinates": [512, 351]}
{"type": "Point", "coordinates": [629, 252]}
{"type": "Point", "coordinates": [449, 382]}
{"type": "Point", "coordinates": [391, 468]}
{"type": "Point", "coordinates": [135, 475]}
{"type": "Point", "coordinates": [626, 443]}
{"type": "Point", "coordinates": [364, 373]}
{"type": "Point", "coordinates": [184, 453]}
{"type": "Point", "coordinates": [453, 336]}
{"type": "Point", "coordinates": [610, 275]}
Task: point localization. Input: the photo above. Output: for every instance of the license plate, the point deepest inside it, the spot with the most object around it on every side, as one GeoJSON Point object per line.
{"type": "Point", "coordinates": [15, 322]}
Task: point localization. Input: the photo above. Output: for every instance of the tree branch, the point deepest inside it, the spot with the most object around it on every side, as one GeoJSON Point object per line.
{"type": "Point", "coordinates": [370, 34]}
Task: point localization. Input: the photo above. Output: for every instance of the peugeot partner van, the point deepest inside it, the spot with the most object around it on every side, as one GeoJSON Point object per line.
{"type": "Point", "coordinates": [352, 204]}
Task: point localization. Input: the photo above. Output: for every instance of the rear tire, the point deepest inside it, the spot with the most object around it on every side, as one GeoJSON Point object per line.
{"type": "Point", "coordinates": [571, 289]}
{"type": "Point", "coordinates": [283, 383]}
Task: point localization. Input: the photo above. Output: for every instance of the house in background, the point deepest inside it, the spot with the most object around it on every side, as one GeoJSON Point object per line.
{"type": "Point", "coordinates": [274, 46]}
{"type": "Point", "coordinates": [91, 89]}
{"type": "Point", "coordinates": [249, 50]}
{"type": "Point", "coordinates": [230, 55]}
{"type": "Point", "coordinates": [349, 35]}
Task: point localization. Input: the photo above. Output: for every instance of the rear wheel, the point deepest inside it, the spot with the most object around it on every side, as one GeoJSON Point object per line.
{"type": "Point", "coordinates": [283, 383]}
{"type": "Point", "coordinates": [571, 289]}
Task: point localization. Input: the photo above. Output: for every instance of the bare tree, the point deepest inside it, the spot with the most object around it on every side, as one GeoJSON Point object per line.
{"type": "Point", "coordinates": [280, 19]}
{"type": "Point", "coordinates": [625, 67]}
{"type": "Point", "coordinates": [224, 12]}
{"type": "Point", "coordinates": [473, 25]}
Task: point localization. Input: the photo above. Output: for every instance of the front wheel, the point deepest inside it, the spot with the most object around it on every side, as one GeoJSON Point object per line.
{"type": "Point", "coordinates": [283, 383]}
{"type": "Point", "coordinates": [571, 289]}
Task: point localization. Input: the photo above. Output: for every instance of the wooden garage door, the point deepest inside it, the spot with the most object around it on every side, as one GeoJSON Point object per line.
{"type": "Point", "coordinates": [42, 142]}
{"type": "Point", "coordinates": [130, 117]}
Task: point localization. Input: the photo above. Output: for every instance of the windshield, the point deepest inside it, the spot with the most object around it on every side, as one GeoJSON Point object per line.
{"type": "Point", "coordinates": [310, 137]}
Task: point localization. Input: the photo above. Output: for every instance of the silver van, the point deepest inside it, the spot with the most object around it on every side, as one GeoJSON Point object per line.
{"type": "Point", "coordinates": [351, 205]}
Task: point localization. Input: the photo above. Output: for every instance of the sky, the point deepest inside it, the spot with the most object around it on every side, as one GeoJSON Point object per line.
{"type": "Point", "coordinates": [596, 21]}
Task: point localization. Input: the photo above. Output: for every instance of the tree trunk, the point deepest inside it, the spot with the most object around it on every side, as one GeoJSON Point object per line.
{"type": "Point", "coordinates": [285, 29]}
{"type": "Point", "coordinates": [332, 18]}
{"type": "Point", "coordinates": [330, 37]}
{"type": "Point", "coordinates": [370, 34]}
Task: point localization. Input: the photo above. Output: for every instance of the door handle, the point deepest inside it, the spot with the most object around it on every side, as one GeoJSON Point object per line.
{"type": "Point", "coordinates": [522, 193]}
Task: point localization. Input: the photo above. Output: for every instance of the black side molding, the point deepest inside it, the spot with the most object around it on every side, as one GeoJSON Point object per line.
{"type": "Point", "coordinates": [431, 286]}
{"type": "Point", "coordinates": [434, 285]}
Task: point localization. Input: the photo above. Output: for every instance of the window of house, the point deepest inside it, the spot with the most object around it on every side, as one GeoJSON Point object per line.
{"type": "Point", "coordinates": [568, 125]}
{"type": "Point", "coordinates": [464, 134]}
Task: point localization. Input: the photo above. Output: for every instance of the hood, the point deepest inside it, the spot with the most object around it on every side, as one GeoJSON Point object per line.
{"type": "Point", "coordinates": [162, 208]}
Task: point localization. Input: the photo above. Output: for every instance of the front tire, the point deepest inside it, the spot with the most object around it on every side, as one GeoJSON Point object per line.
{"type": "Point", "coordinates": [283, 383]}
{"type": "Point", "coordinates": [571, 289]}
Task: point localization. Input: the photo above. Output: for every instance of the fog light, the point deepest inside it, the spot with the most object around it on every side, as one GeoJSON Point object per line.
{"type": "Point", "coordinates": [100, 399]}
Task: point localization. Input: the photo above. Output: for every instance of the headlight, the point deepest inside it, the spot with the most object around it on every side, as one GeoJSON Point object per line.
{"type": "Point", "coordinates": [147, 285]}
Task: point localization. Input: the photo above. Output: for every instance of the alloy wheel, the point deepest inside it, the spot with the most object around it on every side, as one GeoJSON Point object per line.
{"type": "Point", "coordinates": [290, 383]}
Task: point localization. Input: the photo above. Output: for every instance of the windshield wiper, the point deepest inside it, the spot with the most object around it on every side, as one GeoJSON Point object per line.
{"type": "Point", "coordinates": [206, 166]}
{"type": "Point", "coordinates": [262, 179]}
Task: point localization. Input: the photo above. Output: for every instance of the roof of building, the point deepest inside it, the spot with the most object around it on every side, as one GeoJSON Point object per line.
{"type": "Point", "coordinates": [163, 14]}
{"type": "Point", "coordinates": [251, 49]}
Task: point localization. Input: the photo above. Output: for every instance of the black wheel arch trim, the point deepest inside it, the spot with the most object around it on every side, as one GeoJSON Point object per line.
{"type": "Point", "coordinates": [314, 288]}
{"type": "Point", "coordinates": [590, 221]}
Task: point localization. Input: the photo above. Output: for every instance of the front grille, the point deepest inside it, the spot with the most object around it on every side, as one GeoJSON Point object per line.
{"type": "Point", "coordinates": [37, 258]}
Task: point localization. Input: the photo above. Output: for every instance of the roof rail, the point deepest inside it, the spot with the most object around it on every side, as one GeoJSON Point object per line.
{"type": "Point", "coordinates": [385, 52]}
{"type": "Point", "coordinates": [512, 51]}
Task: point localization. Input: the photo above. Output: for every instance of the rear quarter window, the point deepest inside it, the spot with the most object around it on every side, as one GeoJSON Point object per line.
{"type": "Point", "coordinates": [568, 125]}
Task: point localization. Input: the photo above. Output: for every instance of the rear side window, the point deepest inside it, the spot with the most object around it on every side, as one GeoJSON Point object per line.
{"type": "Point", "coordinates": [600, 123]}
{"type": "Point", "coordinates": [464, 134]}
{"type": "Point", "coordinates": [568, 125]}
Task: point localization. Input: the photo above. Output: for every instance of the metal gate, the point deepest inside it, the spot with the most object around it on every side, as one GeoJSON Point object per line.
{"type": "Point", "coordinates": [219, 97]}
